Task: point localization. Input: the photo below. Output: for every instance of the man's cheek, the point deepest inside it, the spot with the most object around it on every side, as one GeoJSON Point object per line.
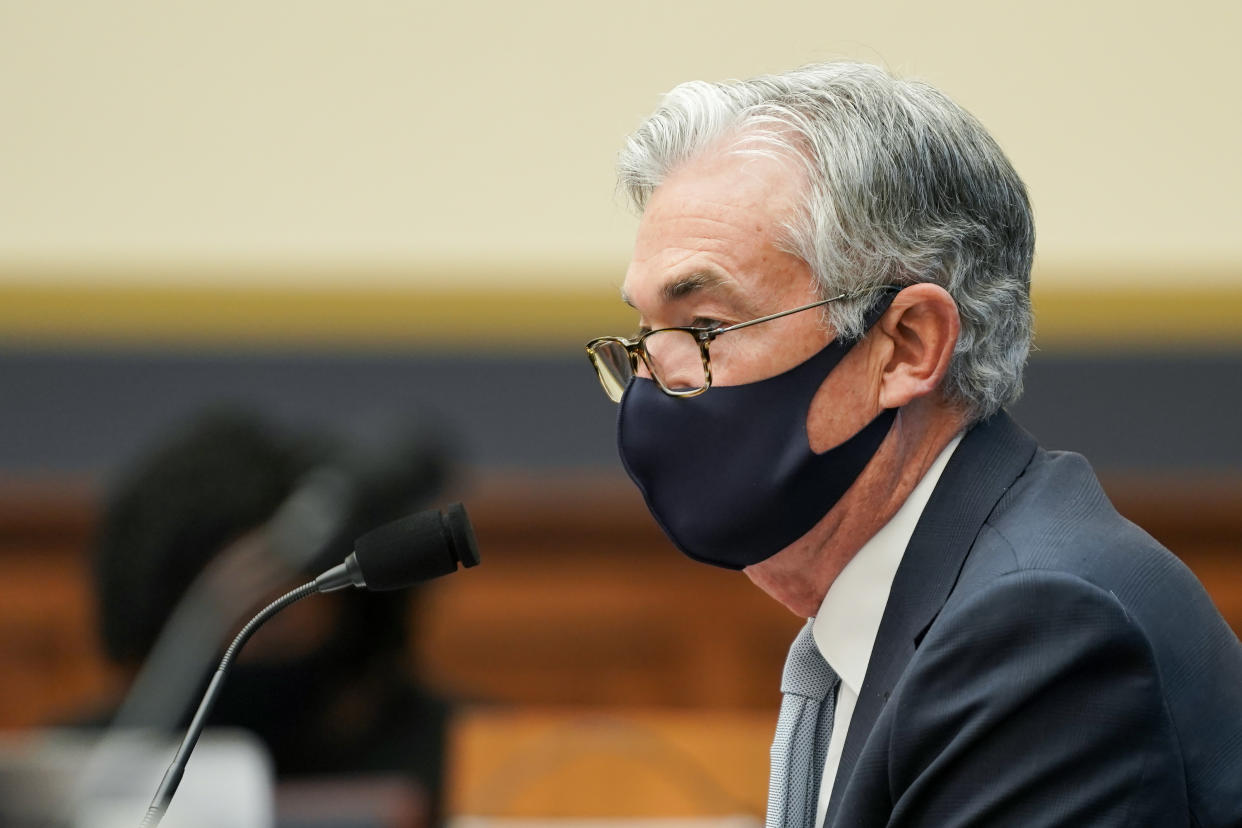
{"type": "Point", "coordinates": [844, 404]}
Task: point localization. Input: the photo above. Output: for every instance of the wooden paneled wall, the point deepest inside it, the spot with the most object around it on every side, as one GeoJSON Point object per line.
{"type": "Point", "coordinates": [579, 600]}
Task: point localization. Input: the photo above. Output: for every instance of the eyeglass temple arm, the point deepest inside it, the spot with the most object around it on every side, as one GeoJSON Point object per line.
{"type": "Point", "coordinates": [881, 307]}
{"type": "Point", "coordinates": [777, 315]}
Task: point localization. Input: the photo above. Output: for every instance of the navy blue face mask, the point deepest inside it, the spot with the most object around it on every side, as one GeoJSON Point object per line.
{"type": "Point", "coordinates": [730, 475]}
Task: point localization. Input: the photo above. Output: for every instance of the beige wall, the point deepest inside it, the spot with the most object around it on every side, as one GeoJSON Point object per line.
{"type": "Point", "coordinates": [381, 141]}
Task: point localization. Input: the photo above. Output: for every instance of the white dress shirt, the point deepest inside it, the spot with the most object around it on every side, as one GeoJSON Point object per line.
{"type": "Point", "coordinates": [849, 617]}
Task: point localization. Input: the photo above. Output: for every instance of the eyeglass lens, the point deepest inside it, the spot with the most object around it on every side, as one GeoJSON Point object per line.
{"type": "Point", "coordinates": [612, 363]}
{"type": "Point", "coordinates": [674, 357]}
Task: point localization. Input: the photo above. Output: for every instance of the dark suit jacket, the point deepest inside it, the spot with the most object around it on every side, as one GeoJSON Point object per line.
{"type": "Point", "coordinates": [1042, 661]}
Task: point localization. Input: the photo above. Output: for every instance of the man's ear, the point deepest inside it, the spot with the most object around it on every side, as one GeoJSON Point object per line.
{"type": "Point", "coordinates": [921, 328]}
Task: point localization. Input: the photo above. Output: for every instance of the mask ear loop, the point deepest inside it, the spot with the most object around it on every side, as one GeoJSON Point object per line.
{"type": "Point", "coordinates": [880, 307]}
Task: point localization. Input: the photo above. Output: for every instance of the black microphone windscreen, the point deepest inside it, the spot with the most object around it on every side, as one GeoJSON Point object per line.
{"type": "Point", "coordinates": [416, 548]}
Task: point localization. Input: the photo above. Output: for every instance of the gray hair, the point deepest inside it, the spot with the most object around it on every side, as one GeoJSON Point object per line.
{"type": "Point", "coordinates": [904, 186]}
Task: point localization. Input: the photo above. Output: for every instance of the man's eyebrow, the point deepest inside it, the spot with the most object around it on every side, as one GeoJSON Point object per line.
{"type": "Point", "coordinates": [683, 286]}
{"type": "Point", "coordinates": [691, 283]}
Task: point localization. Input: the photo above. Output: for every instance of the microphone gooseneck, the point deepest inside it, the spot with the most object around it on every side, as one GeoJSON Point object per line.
{"type": "Point", "coordinates": [394, 556]}
{"type": "Point", "coordinates": [172, 777]}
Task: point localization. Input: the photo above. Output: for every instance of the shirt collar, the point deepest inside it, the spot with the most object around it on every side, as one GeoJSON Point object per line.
{"type": "Point", "coordinates": [849, 617]}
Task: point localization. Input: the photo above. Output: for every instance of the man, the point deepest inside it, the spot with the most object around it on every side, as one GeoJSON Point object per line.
{"type": "Point", "coordinates": [832, 277]}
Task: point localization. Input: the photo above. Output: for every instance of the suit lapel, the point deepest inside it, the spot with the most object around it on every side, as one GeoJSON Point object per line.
{"type": "Point", "coordinates": [985, 464]}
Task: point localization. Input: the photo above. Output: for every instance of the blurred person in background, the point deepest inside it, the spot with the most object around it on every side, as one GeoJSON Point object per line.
{"type": "Point", "coordinates": [832, 278]}
{"type": "Point", "coordinates": [328, 684]}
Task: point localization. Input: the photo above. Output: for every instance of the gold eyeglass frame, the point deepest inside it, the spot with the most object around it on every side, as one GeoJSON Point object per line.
{"type": "Point", "coordinates": [704, 336]}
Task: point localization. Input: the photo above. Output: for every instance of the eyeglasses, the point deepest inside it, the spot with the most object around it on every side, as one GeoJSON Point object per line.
{"type": "Point", "coordinates": [677, 358]}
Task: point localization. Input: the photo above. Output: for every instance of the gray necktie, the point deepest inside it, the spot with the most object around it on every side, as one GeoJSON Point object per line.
{"type": "Point", "coordinates": [802, 734]}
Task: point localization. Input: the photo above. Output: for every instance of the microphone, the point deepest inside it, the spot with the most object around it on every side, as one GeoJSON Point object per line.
{"type": "Point", "coordinates": [380, 562]}
{"type": "Point", "coordinates": [397, 555]}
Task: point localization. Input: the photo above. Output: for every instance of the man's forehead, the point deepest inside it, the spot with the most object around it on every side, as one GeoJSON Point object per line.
{"type": "Point", "coordinates": [711, 229]}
